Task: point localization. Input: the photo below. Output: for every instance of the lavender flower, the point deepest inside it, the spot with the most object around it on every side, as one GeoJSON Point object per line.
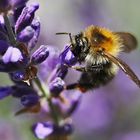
{"type": "Point", "coordinates": [12, 55]}
{"type": "Point", "coordinates": [20, 63]}
{"type": "Point", "coordinates": [40, 55]}
{"type": "Point", "coordinates": [56, 86]}
{"type": "Point", "coordinates": [15, 50]}
{"type": "Point", "coordinates": [45, 129]}
{"type": "Point", "coordinates": [26, 17]}
{"type": "Point", "coordinates": [67, 57]}
{"type": "Point", "coordinates": [42, 130]}
{"type": "Point", "coordinates": [26, 34]}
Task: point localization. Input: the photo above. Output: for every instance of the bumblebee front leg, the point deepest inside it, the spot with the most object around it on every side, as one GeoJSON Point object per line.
{"type": "Point", "coordinates": [72, 86]}
{"type": "Point", "coordinates": [79, 68]}
{"type": "Point", "coordinates": [88, 69]}
{"type": "Point", "coordinates": [76, 86]}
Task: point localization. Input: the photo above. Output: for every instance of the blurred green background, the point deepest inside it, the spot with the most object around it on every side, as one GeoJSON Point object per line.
{"type": "Point", "coordinates": [111, 112]}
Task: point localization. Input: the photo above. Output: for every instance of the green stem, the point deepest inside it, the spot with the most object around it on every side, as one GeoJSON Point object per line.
{"type": "Point", "coordinates": [9, 30]}
{"type": "Point", "coordinates": [45, 94]}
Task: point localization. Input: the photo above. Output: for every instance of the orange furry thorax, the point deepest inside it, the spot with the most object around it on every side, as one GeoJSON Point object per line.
{"type": "Point", "coordinates": [102, 39]}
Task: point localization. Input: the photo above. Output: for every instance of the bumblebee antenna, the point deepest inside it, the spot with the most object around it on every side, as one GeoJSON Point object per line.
{"type": "Point", "coordinates": [65, 33]}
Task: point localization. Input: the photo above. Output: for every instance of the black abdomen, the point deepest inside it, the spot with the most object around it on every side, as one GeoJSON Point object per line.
{"type": "Point", "coordinates": [95, 79]}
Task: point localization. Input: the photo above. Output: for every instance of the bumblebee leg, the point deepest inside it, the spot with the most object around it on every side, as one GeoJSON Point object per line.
{"type": "Point", "coordinates": [78, 68]}
{"type": "Point", "coordinates": [72, 86]}
{"type": "Point", "coordinates": [76, 86]}
{"type": "Point", "coordinates": [88, 69]}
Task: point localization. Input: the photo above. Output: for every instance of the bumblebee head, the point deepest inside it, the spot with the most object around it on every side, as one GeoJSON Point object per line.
{"type": "Point", "coordinates": [79, 46]}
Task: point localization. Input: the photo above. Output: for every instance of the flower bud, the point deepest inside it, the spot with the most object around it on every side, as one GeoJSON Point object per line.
{"type": "Point", "coordinates": [42, 130]}
{"type": "Point", "coordinates": [56, 86]}
{"type": "Point", "coordinates": [29, 100]}
{"type": "Point", "coordinates": [21, 89]}
{"type": "Point", "coordinates": [40, 55]}
{"type": "Point", "coordinates": [5, 91]}
{"type": "Point", "coordinates": [26, 17]}
{"type": "Point", "coordinates": [18, 75]}
{"type": "Point", "coordinates": [26, 34]}
{"type": "Point", "coordinates": [67, 57]}
{"type": "Point", "coordinates": [36, 26]}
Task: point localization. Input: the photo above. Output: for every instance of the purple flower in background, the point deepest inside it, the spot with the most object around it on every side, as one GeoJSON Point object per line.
{"type": "Point", "coordinates": [50, 63]}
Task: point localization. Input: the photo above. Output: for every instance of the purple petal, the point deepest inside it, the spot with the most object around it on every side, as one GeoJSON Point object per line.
{"type": "Point", "coordinates": [17, 12]}
{"type": "Point", "coordinates": [26, 34]}
{"type": "Point", "coordinates": [3, 46]}
{"type": "Point", "coordinates": [36, 26]}
{"type": "Point", "coordinates": [29, 100]}
{"type": "Point", "coordinates": [56, 86]}
{"type": "Point", "coordinates": [42, 130]}
{"type": "Point", "coordinates": [18, 75]}
{"type": "Point", "coordinates": [67, 57]}
{"type": "Point", "coordinates": [26, 17]}
{"type": "Point", "coordinates": [5, 91]}
{"type": "Point", "coordinates": [12, 55]}
{"type": "Point", "coordinates": [40, 55]}
{"type": "Point", "coordinates": [22, 89]}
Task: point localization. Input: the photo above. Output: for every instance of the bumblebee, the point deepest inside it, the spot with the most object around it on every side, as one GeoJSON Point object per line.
{"type": "Point", "coordinates": [97, 50]}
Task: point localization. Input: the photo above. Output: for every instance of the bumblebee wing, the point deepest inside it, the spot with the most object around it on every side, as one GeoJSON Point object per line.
{"type": "Point", "coordinates": [129, 41]}
{"type": "Point", "coordinates": [124, 67]}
